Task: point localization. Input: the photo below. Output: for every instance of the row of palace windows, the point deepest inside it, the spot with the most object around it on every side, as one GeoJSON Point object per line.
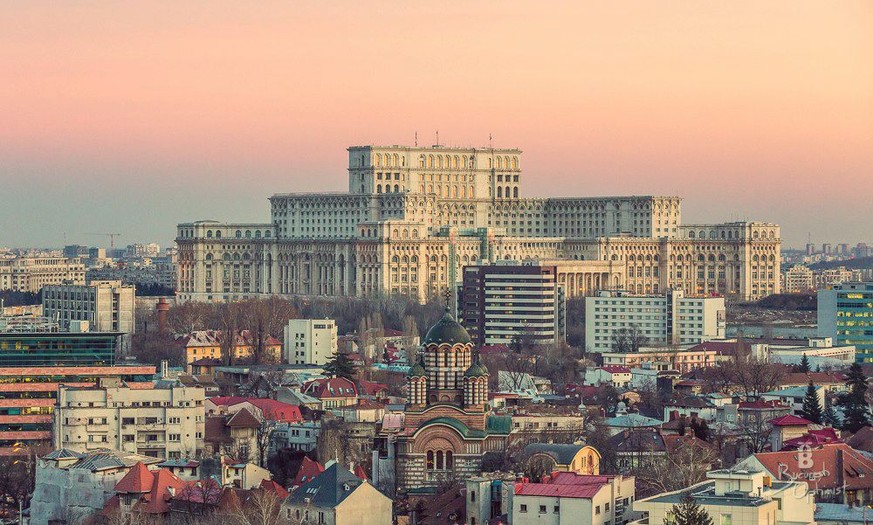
{"type": "Point", "coordinates": [731, 235]}
{"type": "Point", "coordinates": [239, 234]}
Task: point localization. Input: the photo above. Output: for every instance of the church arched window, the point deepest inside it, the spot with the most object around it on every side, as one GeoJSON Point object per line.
{"type": "Point", "coordinates": [430, 460]}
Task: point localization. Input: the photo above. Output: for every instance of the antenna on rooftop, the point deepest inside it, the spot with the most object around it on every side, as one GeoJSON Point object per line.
{"type": "Point", "coordinates": [490, 141]}
{"type": "Point", "coordinates": [416, 139]}
{"type": "Point", "coordinates": [438, 137]}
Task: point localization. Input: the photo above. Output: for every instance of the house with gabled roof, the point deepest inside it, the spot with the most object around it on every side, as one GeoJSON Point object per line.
{"type": "Point", "coordinates": [145, 492]}
{"type": "Point", "coordinates": [333, 391]}
{"type": "Point", "coordinates": [834, 472]}
{"type": "Point", "coordinates": [338, 497]}
{"type": "Point", "coordinates": [72, 484]}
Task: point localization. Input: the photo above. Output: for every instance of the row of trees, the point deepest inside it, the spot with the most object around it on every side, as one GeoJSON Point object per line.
{"type": "Point", "coordinates": [263, 318]}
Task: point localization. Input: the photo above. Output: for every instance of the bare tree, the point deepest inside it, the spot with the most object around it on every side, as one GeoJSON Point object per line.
{"type": "Point", "coordinates": [187, 317]}
{"type": "Point", "coordinates": [630, 339]}
{"type": "Point", "coordinates": [265, 318]}
{"type": "Point", "coordinates": [263, 439]}
{"type": "Point", "coordinates": [334, 442]}
{"type": "Point", "coordinates": [262, 507]}
{"type": "Point", "coordinates": [685, 463]}
{"type": "Point", "coordinates": [154, 347]}
{"type": "Point", "coordinates": [229, 318]}
{"type": "Point", "coordinates": [746, 375]}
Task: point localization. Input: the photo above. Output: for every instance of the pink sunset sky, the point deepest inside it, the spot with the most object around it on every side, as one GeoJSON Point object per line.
{"type": "Point", "coordinates": [134, 116]}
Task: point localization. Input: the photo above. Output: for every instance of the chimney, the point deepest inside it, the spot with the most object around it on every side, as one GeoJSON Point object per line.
{"type": "Point", "coordinates": [162, 308]}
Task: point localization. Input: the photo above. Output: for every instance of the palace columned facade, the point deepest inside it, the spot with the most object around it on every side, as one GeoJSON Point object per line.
{"type": "Point", "coordinates": [414, 217]}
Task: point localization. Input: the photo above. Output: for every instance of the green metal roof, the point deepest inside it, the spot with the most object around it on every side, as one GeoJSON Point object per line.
{"type": "Point", "coordinates": [498, 424]}
{"type": "Point", "coordinates": [447, 331]}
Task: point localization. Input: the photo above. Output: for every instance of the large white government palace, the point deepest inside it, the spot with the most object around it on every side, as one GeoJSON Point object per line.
{"type": "Point", "coordinates": [413, 217]}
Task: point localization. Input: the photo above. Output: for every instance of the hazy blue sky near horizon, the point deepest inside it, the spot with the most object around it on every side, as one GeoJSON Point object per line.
{"type": "Point", "coordinates": [131, 117]}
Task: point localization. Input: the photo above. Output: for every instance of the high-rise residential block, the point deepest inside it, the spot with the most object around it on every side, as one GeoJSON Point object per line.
{"type": "Point", "coordinates": [108, 306]}
{"type": "Point", "coordinates": [668, 319]}
{"type": "Point", "coordinates": [500, 303]}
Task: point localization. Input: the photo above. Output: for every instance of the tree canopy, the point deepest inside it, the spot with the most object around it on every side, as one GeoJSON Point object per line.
{"type": "Point", "coordinates": [688, 512]}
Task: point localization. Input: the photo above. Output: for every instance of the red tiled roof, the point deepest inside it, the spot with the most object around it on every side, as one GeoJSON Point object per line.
{"type": "Point", "coordinates": [272, 409]}
{"type": "Point", "coordinates": [200, 338]}
{"type": "Point", "coordinates": [862, 439]}
{"type": "Point", "coordinates": [371, 388]}
{"type": "Point", "coordinates": [243, 419]}
{"type": "Point", "coordinates": [564, 485]}
{"type": "Point", "coordinates": [789, 420]}
{"type": "Point", "coordinates": [812, 439]}
{"type": "Point", "coordinates": [330, 388]}
{"type": "Point", "coordinates": [822, 472]}
{"type": "Point", "coordinates": [818, 378]}
{"type": "Point", "coordinates": [615, 369]}
{"type": "Point", "coordinates": [138, 480]}
{"type": "Point", "coordinates": [360, 472]}
{"type": "Point", "coordinates": [271, 486]}
{"type": "Point", "coordinates": [215, 430]}
{"type": "Point", "coordinates": [307, 472]}
{"type": "Point", "coordinates": [161, 493]}
{"type": "Point", "coordinates": [720, 347]}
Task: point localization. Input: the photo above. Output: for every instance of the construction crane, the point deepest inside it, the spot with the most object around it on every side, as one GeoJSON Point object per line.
{"type": "Point", "coordinates": [111, 236]}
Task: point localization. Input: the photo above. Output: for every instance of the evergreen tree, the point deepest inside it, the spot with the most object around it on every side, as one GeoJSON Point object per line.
{"type": "Point", "coordinates": [829, 417]}
{"type": "Point", "coordinates": [340, 366]}
{"type": "Point", "coordinates": [688, 512]}
{"type": "Point", "coordinates": [811, 409]}
{"type": "Point", "coordinates": [804, 364]}
{"type": "Point", "coordinates": [856, 411]}
{"type": "Point", "coordinates": [701, 429]}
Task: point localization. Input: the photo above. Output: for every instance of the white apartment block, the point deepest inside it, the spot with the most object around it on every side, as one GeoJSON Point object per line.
{"type": "Point", "coordinates": [159, 422]}
{"type": "Point", "coordinates": [108, 306]}
{"type": "Point", "coordinates": [798, 279]}
{"type": "Point", "coordinates": [310, 341]}
{"type": "Point", "coordinates": [670, 319]}
{"type": "Point", "coordinates": [413, 217]}
{"type": "Point", "coordinates": [30, 274]}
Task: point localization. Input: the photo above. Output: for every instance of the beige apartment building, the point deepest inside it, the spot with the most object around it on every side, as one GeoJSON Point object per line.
{"type": "Point", "coordinates": [737, 497]}
{"type": "Point", "coordinates": [30, 274]}
{"type": "Point", "coordinates": [166, 421]}
{"type": "Point", "coordinates": [108, 306]}
{"type": "Point", "coordinates": [413, 217]}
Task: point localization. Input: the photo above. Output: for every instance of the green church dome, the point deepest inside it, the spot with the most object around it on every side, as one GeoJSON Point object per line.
{"type": "Point", "coordinates": [477, 369]}
{"type": "Point", "coordinates": [447, 331]}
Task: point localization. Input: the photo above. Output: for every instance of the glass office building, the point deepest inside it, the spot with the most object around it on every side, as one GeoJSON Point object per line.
{"type": "Point", "coordinates": [845, 313]}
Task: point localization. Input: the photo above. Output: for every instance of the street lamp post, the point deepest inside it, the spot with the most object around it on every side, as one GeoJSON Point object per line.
{"type": "Point", "coordinates": [18, 447]}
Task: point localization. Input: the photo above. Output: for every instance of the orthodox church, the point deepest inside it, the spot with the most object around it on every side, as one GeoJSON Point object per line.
{"type": "Point", "coordinates": [447, 427]}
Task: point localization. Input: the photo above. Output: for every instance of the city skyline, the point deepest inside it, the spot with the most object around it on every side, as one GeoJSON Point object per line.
{"type": "Point", "coordinates": [141, 117]}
